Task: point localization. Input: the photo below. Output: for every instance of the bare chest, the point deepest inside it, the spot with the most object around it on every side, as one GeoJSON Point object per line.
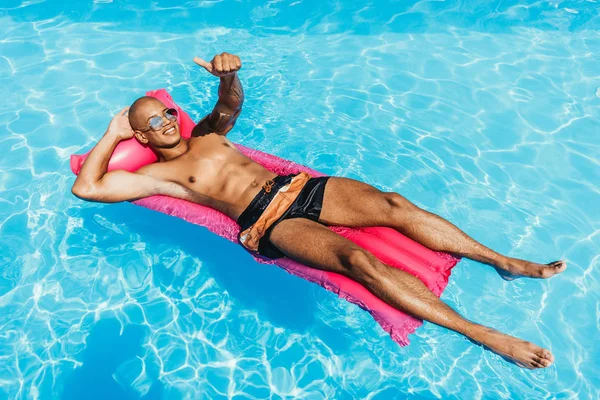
{"type": "Point", "coordinates": [209, 167]}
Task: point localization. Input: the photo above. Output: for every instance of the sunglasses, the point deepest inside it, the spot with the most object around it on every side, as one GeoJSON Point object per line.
{"type": "Point", "coordinates": [157, 122]}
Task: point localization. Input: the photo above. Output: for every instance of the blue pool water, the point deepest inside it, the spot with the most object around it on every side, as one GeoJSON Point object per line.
{"type": "Point", "coordinates": [485, 114]}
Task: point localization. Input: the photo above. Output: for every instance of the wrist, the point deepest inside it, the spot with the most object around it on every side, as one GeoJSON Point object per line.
{"type": "Point", "coordinates": [229, 77]}
{"type": "Point", "coordinates": [112, 135]}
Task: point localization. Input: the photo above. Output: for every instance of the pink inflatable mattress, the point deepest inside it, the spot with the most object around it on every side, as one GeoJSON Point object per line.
{"type": "Point", "coordinates": [391, 247]}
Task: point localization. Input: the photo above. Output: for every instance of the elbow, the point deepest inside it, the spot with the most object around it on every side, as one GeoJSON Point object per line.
{"type": "Point", "coordinates": [83, 191]}
{"type": "Point", "coordinates": [240, 103]}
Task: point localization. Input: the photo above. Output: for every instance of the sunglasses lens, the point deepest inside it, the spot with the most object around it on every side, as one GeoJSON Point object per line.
{"type": "Point", "coordinates": [171, 114]}
{"type": "Point", "coordinates": [156, 123]}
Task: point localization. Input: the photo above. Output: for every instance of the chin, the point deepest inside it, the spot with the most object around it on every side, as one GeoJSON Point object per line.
{"type": "Point", "coordinates": [172, 142]}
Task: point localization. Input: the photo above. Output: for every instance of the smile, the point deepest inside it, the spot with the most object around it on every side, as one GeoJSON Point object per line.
{"type": "Point", "coordinates": [169, 131]}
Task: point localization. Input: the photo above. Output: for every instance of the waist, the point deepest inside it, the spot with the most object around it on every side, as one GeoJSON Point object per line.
{"type": "Point", "coordinates": [262, 199]}
{"type": "Point", "coordinates": [232, 192]}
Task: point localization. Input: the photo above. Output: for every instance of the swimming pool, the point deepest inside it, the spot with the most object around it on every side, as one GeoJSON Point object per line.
{"type": "Point", "coordinates": [488, 116]}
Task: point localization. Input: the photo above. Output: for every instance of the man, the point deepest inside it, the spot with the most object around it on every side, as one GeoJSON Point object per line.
{"type": "Point", "coordinates": [286, 215]}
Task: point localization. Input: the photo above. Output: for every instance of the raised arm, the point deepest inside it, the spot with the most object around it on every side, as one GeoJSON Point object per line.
{"type": "Point", "coordinates": [95, 184]}
{"type": "Point", "coordinates": [231, 95]}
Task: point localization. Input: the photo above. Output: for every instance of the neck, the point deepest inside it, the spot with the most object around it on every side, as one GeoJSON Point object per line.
{"type": "Point", "coordinates": [173, 152]}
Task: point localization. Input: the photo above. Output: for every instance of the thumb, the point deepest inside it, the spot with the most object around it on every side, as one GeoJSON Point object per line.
{"type": "Point", "coordinates": [203, 64]}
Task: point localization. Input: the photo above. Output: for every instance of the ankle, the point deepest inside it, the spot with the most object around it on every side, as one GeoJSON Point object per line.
{"type": "Point", "coordinates": [503, 262]}
{"type": "Point", "coordinates": [490, 258]}
{"type": "Point", "coordinates": [476, 332]}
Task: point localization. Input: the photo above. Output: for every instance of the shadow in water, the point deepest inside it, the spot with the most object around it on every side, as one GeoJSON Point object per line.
{"type": "Point", "coordinates": [284, 299]}
{"type": "Point", "coordinates": [106, 349]}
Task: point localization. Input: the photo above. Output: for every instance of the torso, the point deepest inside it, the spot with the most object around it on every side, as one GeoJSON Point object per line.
{"type": "Point", "coordinates": [213, 173]}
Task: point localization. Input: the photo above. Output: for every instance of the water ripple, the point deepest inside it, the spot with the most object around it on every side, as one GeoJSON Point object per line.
{"type": "Point", "coordinates": [489, 120]}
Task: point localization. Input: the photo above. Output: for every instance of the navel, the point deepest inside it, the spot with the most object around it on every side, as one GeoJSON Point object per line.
{"type": "Point", "coordinates": [192, 179]}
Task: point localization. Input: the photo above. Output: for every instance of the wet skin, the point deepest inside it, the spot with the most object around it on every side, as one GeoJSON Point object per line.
{"type": "Point", "coordinates": [207, 169]}
{"type": "Point", "coordinates": [211, 172]}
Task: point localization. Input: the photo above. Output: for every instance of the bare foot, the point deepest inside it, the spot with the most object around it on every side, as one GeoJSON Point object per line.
{"type": "Point", "coordinates": [514, 268]}
{"type": "Point", "coordinates": [524, 354]}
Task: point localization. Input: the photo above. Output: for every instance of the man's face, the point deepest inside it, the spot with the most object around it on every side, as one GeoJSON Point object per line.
{"type": "Point", "coordinates": [165, 136]}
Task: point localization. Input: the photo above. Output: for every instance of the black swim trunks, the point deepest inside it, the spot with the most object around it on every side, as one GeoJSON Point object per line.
{"type": "Point", "coordinates": [307, 204]}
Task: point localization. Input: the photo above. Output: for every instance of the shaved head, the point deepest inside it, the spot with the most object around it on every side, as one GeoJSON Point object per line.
{"type": "Point", "coordinates": [141, 110]}
{"type": "Point", "coordinates": [165, 135]}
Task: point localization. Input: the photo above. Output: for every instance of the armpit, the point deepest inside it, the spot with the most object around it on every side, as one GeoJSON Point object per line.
{"type": "Point", "coordinates": [176, 190]}
{"type": "Point", "coordinates": [221, 120]}
{"type": "Point", "coordinates": [203, 127]}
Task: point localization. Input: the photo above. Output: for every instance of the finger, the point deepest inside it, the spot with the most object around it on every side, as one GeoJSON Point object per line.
{"type": "Point", "coordinates": [232, 65]}
{"type": "Point", "coordinates": [218, 64]}
{"type": "Point", "coordinates": [203, 64]}
{"type": "Point", "coordinates": [238, 62]}
{"type": "Point", "coordinates": [226, 64]}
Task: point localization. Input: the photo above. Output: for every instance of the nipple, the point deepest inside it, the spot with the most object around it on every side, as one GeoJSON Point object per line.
{"type": "Point", "coordinates": [192, 179]}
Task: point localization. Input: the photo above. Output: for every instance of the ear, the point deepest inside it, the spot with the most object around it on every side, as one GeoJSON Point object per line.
{"type": "Point", "coordinates": [140, 137]}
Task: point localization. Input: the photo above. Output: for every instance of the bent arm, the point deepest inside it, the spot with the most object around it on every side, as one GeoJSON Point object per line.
{"type": "Point", "coordinates": [231, 96]}
{"type": "Point", "coordinates": [116, 186]}
{"type": "Point", "coordinates": [96, 164]}
{"type": "Point", "coordinates": [229, 106]}
{"type": "Point", "coordinates": [95, 184]}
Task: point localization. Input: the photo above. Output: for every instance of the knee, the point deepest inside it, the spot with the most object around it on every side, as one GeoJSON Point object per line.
{"type": "Point", "coordinates": [360, 264]}
{"type": "Point", "coordinates": [398, 203]}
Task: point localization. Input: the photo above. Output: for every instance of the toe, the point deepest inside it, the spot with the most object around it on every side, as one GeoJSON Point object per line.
{"type": "Point", "coordinates": [544, 363]}
{"type": "Point", "coordinates": [552, 269]}
{"type": "Point", "coordinates": [559, 265]}
{"type": "Point", "coordinates": [536, 365]}
{"type": "Point", "coordinates": [527, 365]}
{"type": "Point", "coordinates": [547, 355]}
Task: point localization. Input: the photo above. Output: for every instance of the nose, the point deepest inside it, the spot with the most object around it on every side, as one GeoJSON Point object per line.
{"type": "Point", "coordinates": [167, 122]}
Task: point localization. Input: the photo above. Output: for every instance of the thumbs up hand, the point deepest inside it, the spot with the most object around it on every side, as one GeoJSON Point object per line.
{"type": "Point", "coordinates": [221, 65]}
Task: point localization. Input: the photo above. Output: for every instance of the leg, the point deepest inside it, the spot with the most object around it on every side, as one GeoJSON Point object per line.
{"type": "Point", "coordinates": [353, 203]}
{"type": "Point", "coordinates": [315, 245]}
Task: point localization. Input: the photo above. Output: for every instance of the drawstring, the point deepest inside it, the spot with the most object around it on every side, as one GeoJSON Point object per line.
{"type": "Point", "coordinates": [268, 186]}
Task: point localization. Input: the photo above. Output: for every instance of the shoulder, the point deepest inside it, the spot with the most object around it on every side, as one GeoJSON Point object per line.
{"type": "Point", "coordinates": [155, 173]}
{"type": "Point", "coordinates": [165, 182]}
{"type": "Point", "coordinates": [149, 170]}
{"type": "Point", "coordinates": [161, 171]}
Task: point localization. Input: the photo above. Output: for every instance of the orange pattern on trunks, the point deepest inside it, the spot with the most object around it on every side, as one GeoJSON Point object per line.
{"type": "Point", "coordinates": [283, 199]}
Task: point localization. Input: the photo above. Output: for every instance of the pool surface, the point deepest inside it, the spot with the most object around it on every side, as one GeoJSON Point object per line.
{"type": "Point", "coordinates": [488, 115]}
